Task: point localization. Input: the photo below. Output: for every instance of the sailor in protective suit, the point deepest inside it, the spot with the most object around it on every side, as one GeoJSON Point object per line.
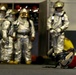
{"type": "Point", "coordinates": [25, 34]}
{"type": "Point", "coordinates": [69, 48]}
{"type": "Point", "coordinates": [2, 15]}
{"type": "Point", "coordinates": [7, 41]}
{"type": "Point", "coordinates": [2, 18]}
{"type": "Point", "coordinates": [57, 23]}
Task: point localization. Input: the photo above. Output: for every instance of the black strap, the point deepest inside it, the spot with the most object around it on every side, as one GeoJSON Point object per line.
{"type": "Point", "coordinates": [10, 26]}
{"type": "Point", "coordinates": [52, 21]}
{"type": "Point", "coordinates": [29, 22]}
{"type": "Point", "coordinates": [62, 17]}
{"type": "Point", "coordinates": [63, 14]}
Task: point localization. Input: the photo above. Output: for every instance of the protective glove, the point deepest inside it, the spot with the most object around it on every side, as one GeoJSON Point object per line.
{"type": "Point", "coordinates": [14, 39]}
{"type": "Point", "coordinates": [58, 30]}
{"type": "Point", "coordinates": [32, 39]}
{"type": "Point", "coordinates": [52, 31]}
{"type": "Point", "coordinates": [5, 41]}
{"type": "Point", "coordinates": [5, 38]}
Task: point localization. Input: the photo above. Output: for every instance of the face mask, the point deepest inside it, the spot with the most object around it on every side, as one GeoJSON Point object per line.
{"type": "Point", "coordinates": [58, 13]}
{"type": "Point", "coordinates": [24, 18]}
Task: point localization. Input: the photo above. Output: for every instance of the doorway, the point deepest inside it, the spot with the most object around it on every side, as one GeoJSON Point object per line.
{"type": "Point", "coordinates": [38, 13]}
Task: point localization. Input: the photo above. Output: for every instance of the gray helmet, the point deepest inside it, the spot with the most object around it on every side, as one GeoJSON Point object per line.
{"type": "Point", "coordinates": [2, 7]}
{"type": "Point", "coordinates": [24, 13]}
{"type": "Point", "coordinates": [11, 12]}
{"type": "Point", "coordinates": [58, 4]}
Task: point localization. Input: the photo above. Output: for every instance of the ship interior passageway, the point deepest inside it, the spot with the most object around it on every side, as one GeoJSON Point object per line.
{"type": "Point", "coordinates": [38, 14]}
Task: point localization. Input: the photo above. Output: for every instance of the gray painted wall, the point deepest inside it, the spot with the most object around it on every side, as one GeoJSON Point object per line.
{"type": "Point", "coordinates": [70, 8]}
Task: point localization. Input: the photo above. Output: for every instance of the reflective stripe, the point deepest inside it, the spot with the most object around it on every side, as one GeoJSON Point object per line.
{"type": "Point", "coordinates": [62, 18]}
{"type": "Point", "coordinates": [52, 17]}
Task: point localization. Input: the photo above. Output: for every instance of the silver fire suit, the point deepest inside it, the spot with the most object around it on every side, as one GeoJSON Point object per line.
{"type": "Point", "coordinates": [2, 19]}
{"type": "Point", "coordinates": [7, 43]}
{"type": "Point", "coordinates": [57, 24]}
{"type": "Point", "coordinates": [23, 33]}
